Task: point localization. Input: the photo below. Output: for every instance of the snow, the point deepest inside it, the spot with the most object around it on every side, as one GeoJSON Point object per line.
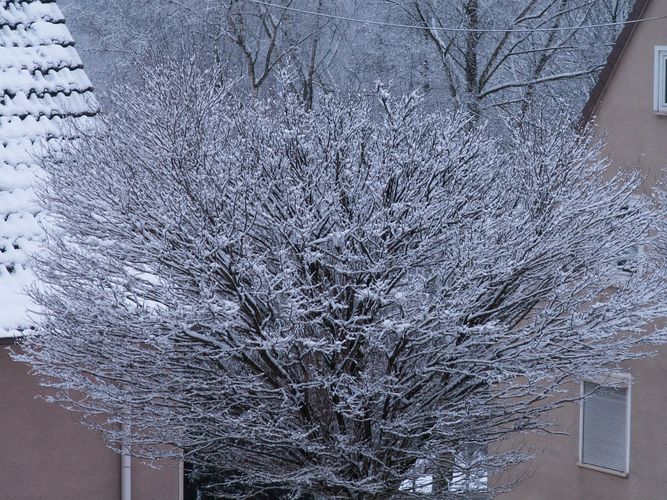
{"type": "Point", "coordinates": [42, 84]}
{"type": "Point", "coordinates": [15, 303]}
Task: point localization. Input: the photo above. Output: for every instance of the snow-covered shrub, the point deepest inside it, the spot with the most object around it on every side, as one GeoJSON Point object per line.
{"type": "Point", "coordinates": [320, 301]}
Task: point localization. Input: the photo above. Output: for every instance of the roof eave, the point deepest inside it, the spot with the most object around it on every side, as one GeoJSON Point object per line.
{"type": "Point", "coordinates": [614, 58]}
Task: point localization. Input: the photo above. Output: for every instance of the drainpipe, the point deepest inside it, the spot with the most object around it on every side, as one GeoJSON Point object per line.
{"type": "Point", "coordinates": [125, 468]}
{"type": "Point", "coordinates": [181, 480]}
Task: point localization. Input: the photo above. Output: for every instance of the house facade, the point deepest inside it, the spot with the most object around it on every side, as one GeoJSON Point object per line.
{"type": "Point", "coordinates": [45, 453]}
{"type": "Point", "coordinates": [616, 446]}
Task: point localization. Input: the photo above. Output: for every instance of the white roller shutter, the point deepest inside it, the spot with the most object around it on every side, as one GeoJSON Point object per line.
{"type": "Point", "coordinates": [604, 427]}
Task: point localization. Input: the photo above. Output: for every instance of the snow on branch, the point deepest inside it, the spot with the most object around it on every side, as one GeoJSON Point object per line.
{"type": "Point", "coordinates": [339, 302]}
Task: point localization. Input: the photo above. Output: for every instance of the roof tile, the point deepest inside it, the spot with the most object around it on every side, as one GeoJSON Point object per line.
{"type": "Point", "coordinates": [42, 83]}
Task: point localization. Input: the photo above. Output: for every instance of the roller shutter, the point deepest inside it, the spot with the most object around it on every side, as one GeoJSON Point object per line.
{"type": "Point", "coordinates": [604, 438]}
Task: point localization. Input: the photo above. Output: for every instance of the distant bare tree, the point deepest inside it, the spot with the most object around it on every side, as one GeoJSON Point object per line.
{"type": "Point", "coordinates": [250, 40]}
{"type": "Point", "coordinates": [542, 64]}
{"type": "Point", "coordinates": [536, 45]}
{"type": "Point", "coordinates": [269, 36]}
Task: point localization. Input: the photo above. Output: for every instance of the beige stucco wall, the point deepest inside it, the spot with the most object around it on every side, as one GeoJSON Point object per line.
{"type": "Point", "coordinates": [555, 474]}
{"type": "Point", "coordinates": [46, 454]}
{"type": "Point", "coordinates": [636, 138]}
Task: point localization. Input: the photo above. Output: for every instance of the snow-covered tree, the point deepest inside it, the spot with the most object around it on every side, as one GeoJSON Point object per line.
{"type": "Point", "coordinates": [253, 42]}
{"type": "Point", "coordinates": [538, 53]}
{"type": "Point", "coordinates": [509, 54]}
{"type": "Point", "coordinates": [361, 301]}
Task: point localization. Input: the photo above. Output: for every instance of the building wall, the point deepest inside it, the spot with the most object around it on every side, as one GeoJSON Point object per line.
{"type": "Point", "coordinates": [45, 453]}
{"type": "Point", "coordinates": [636, 138]}
{"type": "Point", "coordinates": [555, 475]}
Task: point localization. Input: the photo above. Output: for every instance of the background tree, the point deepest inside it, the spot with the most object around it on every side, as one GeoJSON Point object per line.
{"type": "Point", "coordinates": [509, 54]}
{"type": "Point", "coordinates": [333, 301]}
{"type": "Point", "coordinates": [518, 66]}
{"type": "Point", "coordinates": [252, 42]}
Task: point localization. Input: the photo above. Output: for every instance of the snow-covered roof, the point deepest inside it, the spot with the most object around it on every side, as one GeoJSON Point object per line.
{"type": "Point", "coordinates": [42, 84]}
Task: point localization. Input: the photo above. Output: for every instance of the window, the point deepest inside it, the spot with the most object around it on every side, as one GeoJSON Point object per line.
{"type": "Point", "coordinates": [628, 261]}
{"type": "Point", "coordinates": [660, 79]}
{"type": "Point", "coordinates": [469, 476]}
{"type": "Point", "coordinates": [604, 441]}
{"type": "Point", "coordinates": [631, 259]}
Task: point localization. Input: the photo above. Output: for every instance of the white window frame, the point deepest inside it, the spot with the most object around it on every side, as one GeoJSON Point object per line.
{"type": "Point", "coordinates": [660, 79]}
{"type": "Point", "coordinates": [623, 380]}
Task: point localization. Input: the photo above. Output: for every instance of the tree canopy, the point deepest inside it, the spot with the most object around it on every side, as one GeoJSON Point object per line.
{"type": "Point", "coordinates": [333, 301]}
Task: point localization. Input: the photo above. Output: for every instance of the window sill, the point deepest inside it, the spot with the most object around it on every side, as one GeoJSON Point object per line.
{"type": "Point", "coordinates": [602, 469]}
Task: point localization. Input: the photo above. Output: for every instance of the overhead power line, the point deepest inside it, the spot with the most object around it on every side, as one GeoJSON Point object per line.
{"type": "Point", "coordinates": [446, 29]}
